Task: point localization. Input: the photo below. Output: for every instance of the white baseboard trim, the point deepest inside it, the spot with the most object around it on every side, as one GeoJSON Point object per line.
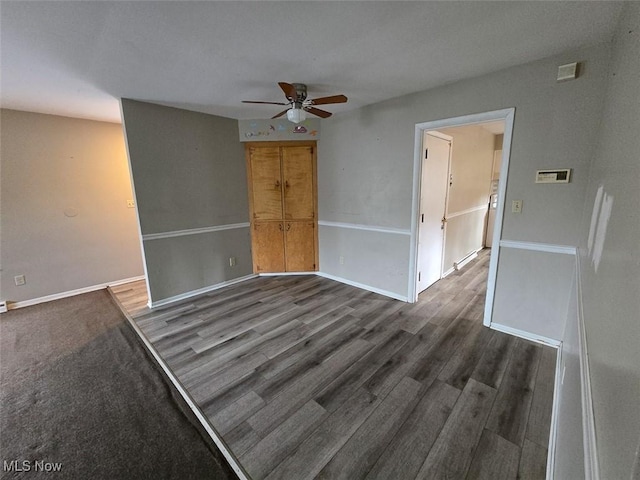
{"type": "Point", "coordinates": [591, 465]}
{"type": "Point", "coordinates": [448, 272]}
{"type": "Point", "coordinates": [127, 280]}
{"type": "Point", "coordinates": [472, 256]}
{"type": "Point", "coordinates": [226, 451]}
{"type": "Point", "coordinates": [369, 288]}
{"type": "Point", "coordinates": [553, 430]}
{"type": "Point", "coordinates": [183, 296]}
{"type": "Point", "coordinates": [458, 265]}
{"type": "Point", "coordinates": [526, 335]}
{"type": "Point", "coordinates": [70, 293]}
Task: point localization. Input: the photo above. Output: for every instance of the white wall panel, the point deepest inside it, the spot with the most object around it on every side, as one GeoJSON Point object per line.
{"type": "Point", "coordinates": [532, 291]}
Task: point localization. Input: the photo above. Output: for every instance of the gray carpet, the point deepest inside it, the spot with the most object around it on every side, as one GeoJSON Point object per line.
{"type": "Point", "coordinates": [79, 390]}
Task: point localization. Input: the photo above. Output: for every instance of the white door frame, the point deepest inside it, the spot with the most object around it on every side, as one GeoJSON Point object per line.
{"type": "Point", "coordinates": [508, 116]}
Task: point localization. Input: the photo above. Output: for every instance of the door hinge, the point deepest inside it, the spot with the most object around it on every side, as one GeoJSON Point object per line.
{"type": "Point", "coordinates": [426, 153]}
{"type": "Point", "coordinates": [422, 218]}
{"type": "Point", "coordinates": [419, 276]}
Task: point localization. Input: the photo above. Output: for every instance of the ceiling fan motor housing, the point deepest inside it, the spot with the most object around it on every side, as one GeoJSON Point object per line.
{"type": "Point", "coordinates": [301, 93]}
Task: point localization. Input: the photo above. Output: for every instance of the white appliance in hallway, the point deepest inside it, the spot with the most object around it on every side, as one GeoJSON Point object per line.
{"type": "Point", "coordinates": [493, 198]}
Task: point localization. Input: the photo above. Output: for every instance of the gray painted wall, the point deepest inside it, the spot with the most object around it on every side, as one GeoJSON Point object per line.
{"type": "Point", "coordinates": [188, 173]}
{"type": "Point", "coordinates": [611, 292]}
{"type": "Point", "coordinates": [532, 291]}
{"type": "Point", "coordinates": [365, 163]}
{"type": "Point", "coordinates": [387, 275]}
{"type": "Point", "coordinates": [50, 165]}
{"type": "Point", "coordinates": [188, 263]}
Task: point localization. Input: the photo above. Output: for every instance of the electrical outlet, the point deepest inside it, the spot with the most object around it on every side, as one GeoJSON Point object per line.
{"type": "Point", "coordinates": [516, 206]}
{"type": "Point", "coordinates": [131, 204]}
{"type": "Point", "coordinates": [341, 260]}
{"type": "Point", "coordinates": [232, 261]}
{"type": "Point", "coordinates": [20, 280]}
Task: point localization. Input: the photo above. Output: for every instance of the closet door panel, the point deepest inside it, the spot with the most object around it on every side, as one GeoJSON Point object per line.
{"type": "Point", "coordinates": [266, 183]}
{"type": "Point", "coordinates": [268, 247]}
{"type": "Point", "coordinates": [298, 177]}
{"type": "Point", "coordinates": [300, 246]}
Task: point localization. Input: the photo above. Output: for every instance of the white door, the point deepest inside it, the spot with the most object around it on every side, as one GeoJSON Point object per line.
{"type": "Point", "coordinates": [433, 200]}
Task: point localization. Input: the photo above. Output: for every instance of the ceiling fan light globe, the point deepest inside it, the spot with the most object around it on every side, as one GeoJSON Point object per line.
{"type": "Point", "coordinates": [296, 115]}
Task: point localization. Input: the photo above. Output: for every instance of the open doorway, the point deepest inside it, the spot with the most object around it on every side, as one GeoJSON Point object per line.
{"type": "Point", "coordinates": [459, 203]}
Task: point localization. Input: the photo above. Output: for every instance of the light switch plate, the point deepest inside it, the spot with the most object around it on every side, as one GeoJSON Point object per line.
{"type": "Point", "coordinates": [516, 206]}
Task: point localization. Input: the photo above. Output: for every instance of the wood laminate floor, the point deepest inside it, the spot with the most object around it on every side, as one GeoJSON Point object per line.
{"type": "Point", "coordinates": [305, 378]}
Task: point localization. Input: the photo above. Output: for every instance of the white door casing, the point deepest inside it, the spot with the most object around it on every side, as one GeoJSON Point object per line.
{"type": "Point", "coordinates": [508, 115]}
{"type": "Point", "coordinates": [493, 198]}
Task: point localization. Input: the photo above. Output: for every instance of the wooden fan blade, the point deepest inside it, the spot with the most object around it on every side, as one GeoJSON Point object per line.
{"type": "Point", "coordinates": [318, 112]}
{"type": "Point", "coordinates": [331, 99]}
{"type": "Point", "coordinates": [266, 103]}
{"type": "Point", "coordinates": [280, 114]}
{"type": "Point", "coordinates": [289, 90]}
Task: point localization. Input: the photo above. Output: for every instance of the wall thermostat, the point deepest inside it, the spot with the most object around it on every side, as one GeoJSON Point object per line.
{"type": "Point", "coordinates": [560, 175]}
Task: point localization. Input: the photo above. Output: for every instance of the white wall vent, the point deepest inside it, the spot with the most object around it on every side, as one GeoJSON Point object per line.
{"type": "Point", "coordinates": [567, 72]}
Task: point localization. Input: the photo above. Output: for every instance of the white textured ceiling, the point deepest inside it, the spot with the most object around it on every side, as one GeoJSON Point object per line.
{"type": "Point", "coordinates": [78, 58]}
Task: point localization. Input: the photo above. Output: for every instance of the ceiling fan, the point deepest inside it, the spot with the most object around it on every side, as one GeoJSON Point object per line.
{"type": "Point", "coordinates": [299, 104]}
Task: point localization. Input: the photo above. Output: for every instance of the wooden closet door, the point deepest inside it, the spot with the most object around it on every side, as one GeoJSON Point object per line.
{"type": "Point", "coordinates": [268, 247]}
{"type": "Point", "coordinates": [298, 177]}
{"type": "Point", "coordinates": [266, 183]}
{"type": "Point", "coordinates": [300, 245]}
